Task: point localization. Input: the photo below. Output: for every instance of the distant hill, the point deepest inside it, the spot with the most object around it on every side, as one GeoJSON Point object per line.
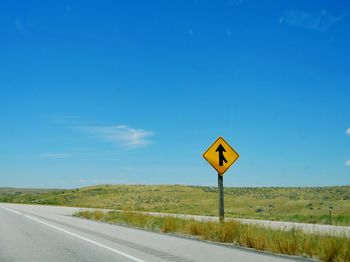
{"type": "Point", "coordinates": [309, 204]}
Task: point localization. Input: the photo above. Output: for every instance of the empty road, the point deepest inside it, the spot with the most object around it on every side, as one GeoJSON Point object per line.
{"type": "Point", "coordinates": [46, 233]}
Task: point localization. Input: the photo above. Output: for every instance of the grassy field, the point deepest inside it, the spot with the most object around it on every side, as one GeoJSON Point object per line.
{"type": "Point", "coordinates": [310, 205]}
{"type": "Point", "coordinates": [285, 242]}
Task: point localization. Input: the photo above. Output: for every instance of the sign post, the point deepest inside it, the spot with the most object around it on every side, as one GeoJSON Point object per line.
{"type": "Point", "coordinates": [221, 197]}
{"type": "Point", "coordinates": [221, 156]}
{"type": "Point", "coordinates": [330, 213]}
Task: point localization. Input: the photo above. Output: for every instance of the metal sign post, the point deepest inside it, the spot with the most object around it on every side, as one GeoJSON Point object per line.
{"type": "Point", "coordinates": [221, 197]}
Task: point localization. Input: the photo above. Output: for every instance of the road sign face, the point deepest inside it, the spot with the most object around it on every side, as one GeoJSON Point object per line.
{"type": "Point", "coordinates": [221, 155]}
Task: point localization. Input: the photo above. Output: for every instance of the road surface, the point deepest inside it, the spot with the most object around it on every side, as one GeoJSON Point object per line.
{"type": "Point", "coordinates": [46, 233]}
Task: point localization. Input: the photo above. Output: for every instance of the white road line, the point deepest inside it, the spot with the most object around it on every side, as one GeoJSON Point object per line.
{"type": "Point", "coordinates": [74, 235]}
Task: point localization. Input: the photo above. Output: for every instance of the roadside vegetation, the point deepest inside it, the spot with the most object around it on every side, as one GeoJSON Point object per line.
{"type": "Point", "coordinates": [326, 248]}
{"type": "Point", "coordinates": [309, 205]}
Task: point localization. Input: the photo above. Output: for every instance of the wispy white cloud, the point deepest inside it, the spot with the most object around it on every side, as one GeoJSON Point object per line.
{"type": "Point", "coordinates": [235, 3]}
{"type": "Point", "coordinates": [348, 131]}
{"type": "Point", "coordinates": [21, 27]}
{"type": "Point", "coordinates": [320, 21]}
{"type": "Point", "coordinates": [56, 155]}
{"type": "Point", "coordinates": [121, 135]}
{"type": "Point", "coordinates": [80, 154]}
{"type": "Point", "coordinates": [347, 163]}
{"type": "Point", "coordinates": [66, 120]}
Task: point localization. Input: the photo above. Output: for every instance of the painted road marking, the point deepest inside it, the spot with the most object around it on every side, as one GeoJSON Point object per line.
{"type": "Point", "coordinates": [74, 235]}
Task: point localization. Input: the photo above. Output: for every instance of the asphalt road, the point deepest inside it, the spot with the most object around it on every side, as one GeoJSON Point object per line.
{"type": "Point", "coordinates": [46, 233]}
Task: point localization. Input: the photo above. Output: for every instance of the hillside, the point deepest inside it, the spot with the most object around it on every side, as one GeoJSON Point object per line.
{"type": "Point", "coordinates": [309, 205]}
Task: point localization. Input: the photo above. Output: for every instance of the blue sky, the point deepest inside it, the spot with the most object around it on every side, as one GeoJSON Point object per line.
{"type": "Point", "coordinates": [95, 92]}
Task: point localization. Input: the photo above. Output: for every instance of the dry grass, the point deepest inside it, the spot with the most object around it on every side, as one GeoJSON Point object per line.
{"type": "Point", "coordinates": [308, 205]}
{"type": "Point", "coordinates": [292, 242]}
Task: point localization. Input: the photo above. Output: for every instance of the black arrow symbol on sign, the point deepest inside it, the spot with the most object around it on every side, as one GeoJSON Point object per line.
{"type": "Point", "coordinates": [222, 158]}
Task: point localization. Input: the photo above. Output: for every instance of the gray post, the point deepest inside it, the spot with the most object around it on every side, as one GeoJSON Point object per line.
{"type": "Point", "coordinates": [330, 213]}
{"type": "Point", "coordinates": [221, 197]}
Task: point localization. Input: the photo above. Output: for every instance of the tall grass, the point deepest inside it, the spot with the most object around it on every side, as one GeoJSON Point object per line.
{"type": "Point", "coordinates": [294, 242]}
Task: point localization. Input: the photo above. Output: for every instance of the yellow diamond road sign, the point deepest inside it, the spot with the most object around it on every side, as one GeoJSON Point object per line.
{"type": "Point", "coordinates": [221, 155]}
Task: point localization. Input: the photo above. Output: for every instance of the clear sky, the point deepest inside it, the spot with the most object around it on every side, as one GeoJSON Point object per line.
{"type": "Point", "coordinates": [95, 92]}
